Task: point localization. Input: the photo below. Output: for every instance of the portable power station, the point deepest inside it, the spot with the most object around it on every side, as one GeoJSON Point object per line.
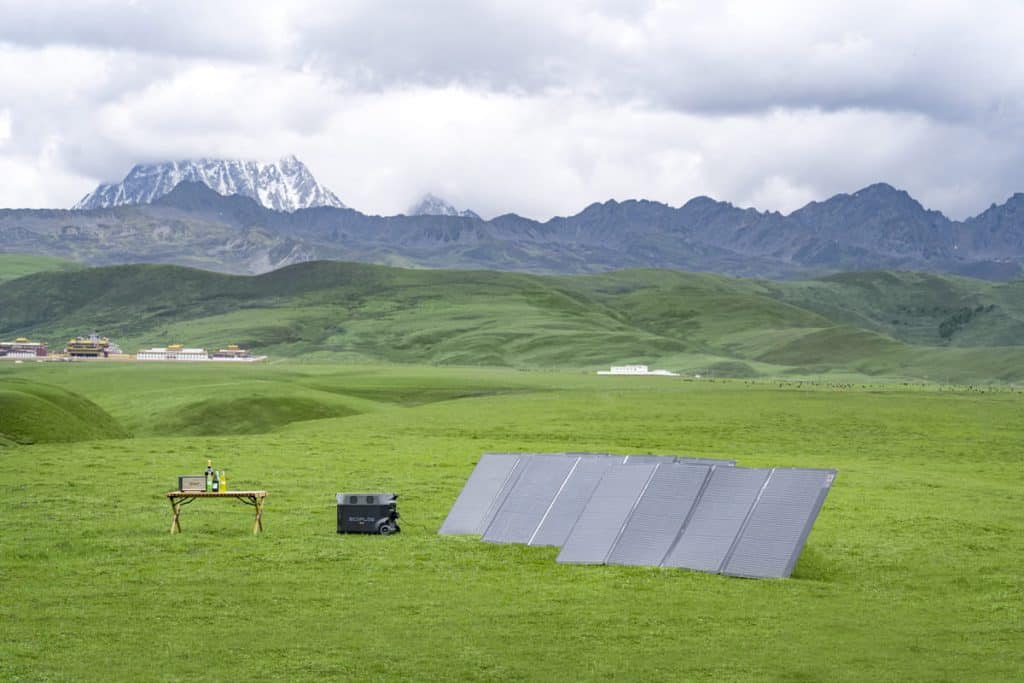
{"type": "Point", "coordinates": [368, 513]}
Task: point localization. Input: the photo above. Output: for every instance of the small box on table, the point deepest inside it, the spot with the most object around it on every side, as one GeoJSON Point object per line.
{"type": "Point", "coordinates": [195, 483]}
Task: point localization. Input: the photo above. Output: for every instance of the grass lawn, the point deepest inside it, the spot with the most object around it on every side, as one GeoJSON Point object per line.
{"type": "Point", "coordinates": [912, 571]}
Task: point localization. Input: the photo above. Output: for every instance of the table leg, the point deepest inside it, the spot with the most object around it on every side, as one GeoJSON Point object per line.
{"type": "Point", "coordinates": [258, 524]}
{"type": "Point", "coordinates": [176, 511]}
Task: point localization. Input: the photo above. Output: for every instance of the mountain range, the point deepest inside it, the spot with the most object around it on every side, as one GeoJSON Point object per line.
{"type": "Point", "coordinates": [877, 227]}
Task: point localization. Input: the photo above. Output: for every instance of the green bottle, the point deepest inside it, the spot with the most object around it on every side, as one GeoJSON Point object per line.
{"type": "Point", "coordinates": [209, 476]}
{"type": "Point", "coordinates": [216, 482]}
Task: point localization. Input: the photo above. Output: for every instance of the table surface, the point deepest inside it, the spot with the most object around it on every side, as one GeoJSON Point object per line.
{"type": "Point", "coordinates": [216, 494]}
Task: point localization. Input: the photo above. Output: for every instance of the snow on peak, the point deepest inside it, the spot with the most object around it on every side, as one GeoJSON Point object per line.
{"type": "Point", "coordinates": [432, 205]}
{"type": "Point", "coordinates": [285, 185]}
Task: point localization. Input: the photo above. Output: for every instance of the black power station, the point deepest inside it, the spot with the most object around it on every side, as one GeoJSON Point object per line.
{"type": "Point", "coordinates": [368, 513]}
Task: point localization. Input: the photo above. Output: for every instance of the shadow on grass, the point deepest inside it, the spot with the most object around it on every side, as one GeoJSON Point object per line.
{"type": "Point", "coordinates": [814, 565]}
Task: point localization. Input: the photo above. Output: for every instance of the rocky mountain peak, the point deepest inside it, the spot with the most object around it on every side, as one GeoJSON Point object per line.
{"type": "Point", "coordinates": [285, 185]}
{"type": "Point", "coordinates": [432, 205]}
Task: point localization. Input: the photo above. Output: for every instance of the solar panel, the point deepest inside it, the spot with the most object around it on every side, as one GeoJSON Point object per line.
{"type": "Point", "coordinates": [774, 535]}
{"type": "Point", "coordinates": [529, 498]}
{"type": "Point", "coordinates": [598, 527]}
{"type": "Point", "coordinates": [569, 502]}
{"type": "Point", "coordinates": [659, 515]}
{"type": "Point", "coordinates": [506, 488]}
{"type": "Point", "coordinates": [485, 483]}
{"type": "Point", "coordinates": [717, 518]}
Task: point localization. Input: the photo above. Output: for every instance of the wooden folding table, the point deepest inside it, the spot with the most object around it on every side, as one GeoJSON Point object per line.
{"type": "Point", "coordinates": [179, 498]}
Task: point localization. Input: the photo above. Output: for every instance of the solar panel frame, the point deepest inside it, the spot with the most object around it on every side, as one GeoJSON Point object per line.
{"type": "Point", "coordinates": [648, 459]}
{"type": "Point", "coordinates": [656, 458]}
{"type": "Point", "coordinates": [687, 460]}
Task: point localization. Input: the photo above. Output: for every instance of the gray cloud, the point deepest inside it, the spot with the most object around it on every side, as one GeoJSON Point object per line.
{"type": "Point", "coordinates": [182, 28]}
{"type": "Point", "coordinates": [946, 60]}
{"type": "Point", "coordinates": [499, 46]}
{"type": "Point", "coordinates": [532, 107]}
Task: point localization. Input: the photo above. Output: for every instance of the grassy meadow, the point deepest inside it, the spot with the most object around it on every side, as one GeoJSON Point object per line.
{"type": "Point", "coordinates": [912, 571]}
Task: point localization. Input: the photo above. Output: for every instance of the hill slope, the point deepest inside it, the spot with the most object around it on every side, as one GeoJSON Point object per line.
{"type": "Point", "coordinates": [918, 308]}
{"type": "Point", "coordinates": [31, 412]}
{"type": "Point", "coordinates": [18, 265]}
{"type": "Point", "coordinates": [873, 323]}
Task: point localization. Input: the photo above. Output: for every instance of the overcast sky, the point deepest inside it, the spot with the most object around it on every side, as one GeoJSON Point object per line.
{"type": "Point", "coordinates": [534, 107]}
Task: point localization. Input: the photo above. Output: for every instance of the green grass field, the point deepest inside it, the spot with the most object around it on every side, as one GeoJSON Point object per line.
{"type": "Point", "coordinates": [912, 571]}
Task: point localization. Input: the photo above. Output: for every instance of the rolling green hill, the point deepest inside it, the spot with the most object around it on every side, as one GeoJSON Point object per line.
{"type": "Point", "coordinates": [900, 325]}
{"type": "Point", "coordinates": [188, 399]}
{"type": "Point", "coordinates": [918, 308]}
{"type": "Point", "coordinates": [18, 265]}
{"type": "Point", "coordinates": [33, 412]}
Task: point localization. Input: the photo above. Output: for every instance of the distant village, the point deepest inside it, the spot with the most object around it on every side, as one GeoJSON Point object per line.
{"type": "Point", "coordinates": [95, 347]}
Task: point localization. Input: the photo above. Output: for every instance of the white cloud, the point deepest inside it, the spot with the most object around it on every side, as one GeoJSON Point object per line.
{"type": "Point", "coordinates": [33, 181]}
{"type": "Point", "coordinates": [5, 126]}
{"type": "Point", "coordinates": [538, 108]}
{"type": "Point", "coordinates": [190, 28]}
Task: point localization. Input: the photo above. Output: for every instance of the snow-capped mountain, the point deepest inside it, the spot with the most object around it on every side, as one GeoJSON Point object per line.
{"type": "Point", "coordinates": [432, 205]}
{"type": "Point", "coordinates": [285, 185]}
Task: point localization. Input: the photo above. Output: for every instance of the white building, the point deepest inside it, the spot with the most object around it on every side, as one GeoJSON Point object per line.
{"type": "Point", "coordinates": [628, 370]}
{"type": "Point", "coordinates": [23, 348]}
{"type": "Point", "coordinates": [636, 370]}
{"type": "Point", "coordinates": [172, 352]}
{"type": "Point", "coordinates": [177, 352]}
{"type": "Point", "coordinates": [235, 354]}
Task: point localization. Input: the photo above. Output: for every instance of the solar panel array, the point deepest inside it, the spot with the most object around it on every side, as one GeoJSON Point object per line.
{"type": "Point", "coordinates": [694, 513]}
